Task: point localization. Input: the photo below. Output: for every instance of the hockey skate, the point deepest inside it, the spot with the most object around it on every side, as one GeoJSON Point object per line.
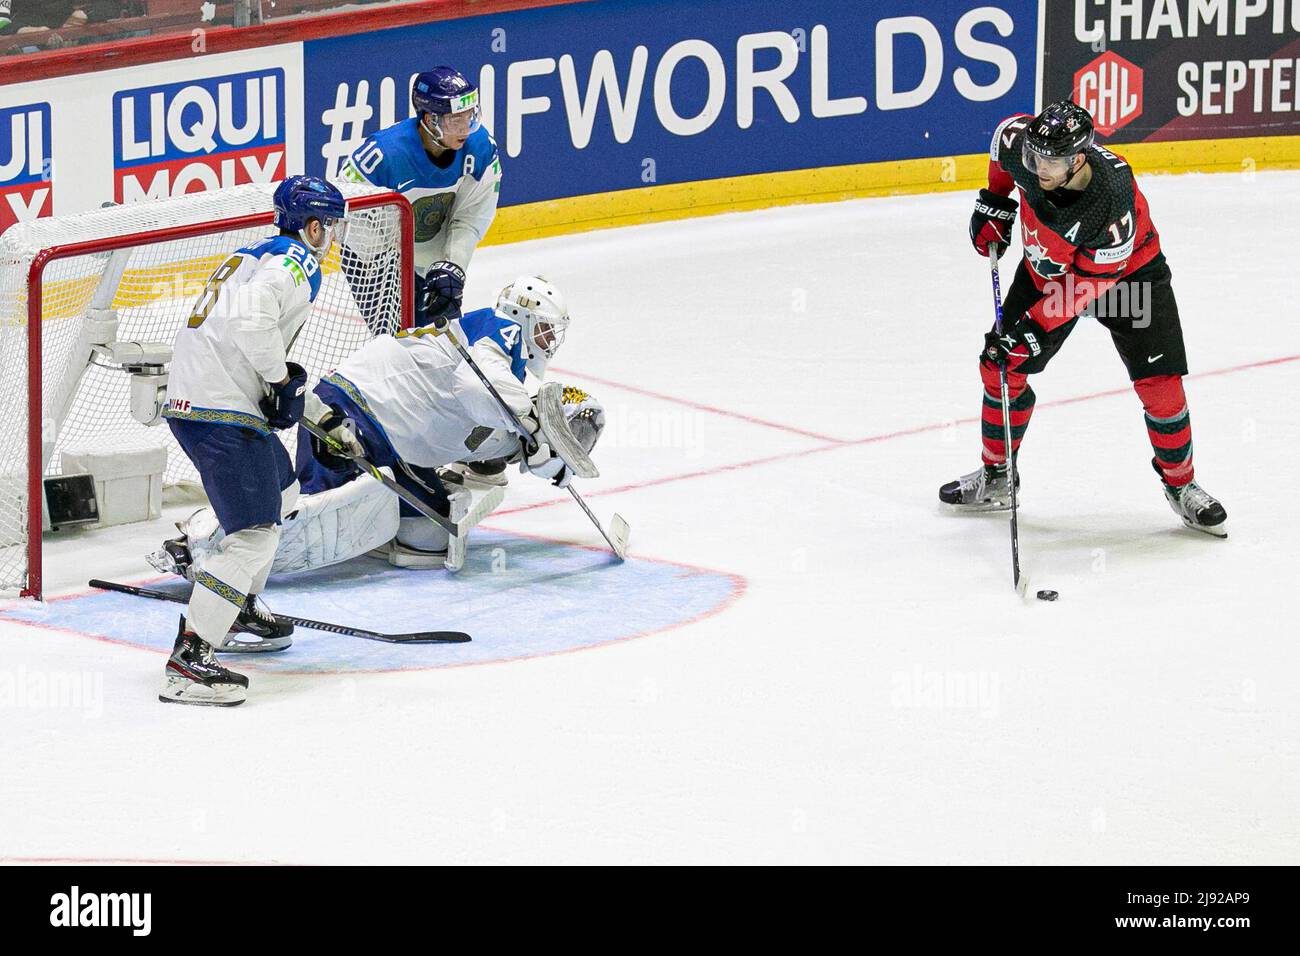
{"type": "Point", "coordinates": [173, 557]}
{"type": "Point", "coordinates": [272, 634]}
{"type": "Point", "coordinates": [193, 675]}
{"type": "Point", "coordinates": [476, 474]}
{"type": "Point", "coordinates": [1199, 509]}
{"type": "Point", "coordinates": [983, 490]}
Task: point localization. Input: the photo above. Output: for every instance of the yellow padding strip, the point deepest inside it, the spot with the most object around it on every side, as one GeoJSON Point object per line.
{"type": "Point", "coordinates": [830, 184]}
{"type": "Point", "coordinates": [66, 298]}
{"type": "Point", "coordinates": [630, 207]}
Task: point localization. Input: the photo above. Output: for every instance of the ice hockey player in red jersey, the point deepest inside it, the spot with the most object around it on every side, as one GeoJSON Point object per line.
{"type": "Point", "coordinates": [1090, 250]}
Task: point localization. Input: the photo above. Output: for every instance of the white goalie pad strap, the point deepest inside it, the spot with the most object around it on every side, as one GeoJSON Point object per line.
{"type": "Point", "coordinates": [558, 434]}
{"type": "Point", "coordinates": [333, 526]}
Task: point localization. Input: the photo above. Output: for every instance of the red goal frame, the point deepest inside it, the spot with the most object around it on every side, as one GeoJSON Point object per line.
{"type": "Point", "coordinates": [35, 275]}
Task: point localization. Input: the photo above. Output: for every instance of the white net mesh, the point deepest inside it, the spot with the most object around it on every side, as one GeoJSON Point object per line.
{"type": "Point", "coordinates": [152, 287]}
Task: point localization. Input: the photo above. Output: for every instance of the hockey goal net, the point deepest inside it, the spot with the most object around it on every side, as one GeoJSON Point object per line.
{"type": "Point", "coordinates": [140, 267]}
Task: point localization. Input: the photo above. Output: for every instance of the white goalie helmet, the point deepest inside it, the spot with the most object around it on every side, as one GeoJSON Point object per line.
{"type": "Point", "coordinates": [539, 308]}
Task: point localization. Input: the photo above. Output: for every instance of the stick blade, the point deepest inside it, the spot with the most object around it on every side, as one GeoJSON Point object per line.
{"type": "Point", "coordinates": [619, 532]}
{"type": "Point", "coordinates": [428, 637]}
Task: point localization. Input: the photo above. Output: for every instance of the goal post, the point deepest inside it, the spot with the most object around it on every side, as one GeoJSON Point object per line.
{"type": "Point", "coordinates": [91, 303]}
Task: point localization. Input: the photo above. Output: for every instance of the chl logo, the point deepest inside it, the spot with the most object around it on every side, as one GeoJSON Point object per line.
{"type": "Point", "coordinates": [1110, 88]}
{"type": "Point", "coordinates": [198, 135]}
{"type": "Point", "coordinates": [26, 180]}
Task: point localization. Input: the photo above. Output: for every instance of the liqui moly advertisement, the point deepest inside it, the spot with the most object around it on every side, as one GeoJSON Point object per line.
{"type": "Point", "coordinates": [198, 135]}
{"type": "Point", "coordinates": [26, 166]}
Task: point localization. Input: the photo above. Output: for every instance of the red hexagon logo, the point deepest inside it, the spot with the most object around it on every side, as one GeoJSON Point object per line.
{"type": "Point", "coordinates": [1110, 88]}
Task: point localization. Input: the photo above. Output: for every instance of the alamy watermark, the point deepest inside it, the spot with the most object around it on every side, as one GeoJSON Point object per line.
{"type": "Point", "coordinates": [49, 690]}
{"type": "Point", "coordinates": [75, 908]}
{"type": "Point", "coordinates": [946, 690]}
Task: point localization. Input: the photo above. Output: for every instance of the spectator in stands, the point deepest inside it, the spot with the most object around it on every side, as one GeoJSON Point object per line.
{"type": "Point", "coordinates": [32, 15]}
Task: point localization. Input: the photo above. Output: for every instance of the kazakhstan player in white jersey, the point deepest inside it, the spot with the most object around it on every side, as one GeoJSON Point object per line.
{"type": "Point", "coordinates": [230, 386]}
{"type": "Point", "coordinates": [446, 164]}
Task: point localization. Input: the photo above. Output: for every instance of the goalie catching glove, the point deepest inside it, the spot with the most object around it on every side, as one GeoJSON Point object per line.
{"type": "Point", "coordinates": [573, 433]}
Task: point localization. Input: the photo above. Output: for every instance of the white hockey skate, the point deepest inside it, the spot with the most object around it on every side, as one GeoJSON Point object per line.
{"type": "Point", "coordinates": [478, 474]}
{"type": "Point", "coordinates": [193, 675]}
{"type": "Point", "coordinates": [1199, 509]}
{"type": "Point", "coordinates": [983, 490]}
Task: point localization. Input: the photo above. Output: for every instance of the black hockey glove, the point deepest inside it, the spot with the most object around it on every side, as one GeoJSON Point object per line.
{"type": "Point", "coordinates": [284, 406]}
{"type": "Point", "coordinates": [992, 222]}
{"type": "Point", "coordinates": [1019, 342]}
{"type": "Point", "coordinates": [338, 427]}
{"type": "Point", "coordinates": [438, 294]}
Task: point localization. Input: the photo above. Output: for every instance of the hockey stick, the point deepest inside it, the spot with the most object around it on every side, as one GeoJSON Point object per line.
{"type": "Point", "coordinates": [620, 527]}
{"type": "Point", "coordinates": [1021, 583]}
{"type": "Point", "coordinates": [411, 499]}
{"type": "Point", "coordinates": [417, 637]}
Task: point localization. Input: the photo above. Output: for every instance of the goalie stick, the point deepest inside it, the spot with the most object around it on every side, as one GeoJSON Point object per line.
{"type": "Point", "coordinates": [1021, 582]}
{"type": "Point", "coordinates": [619, 526]}
{"type": "Point", "coordinates": [416, 637]}
{"type": "Point", "coordinates": [411, 499]}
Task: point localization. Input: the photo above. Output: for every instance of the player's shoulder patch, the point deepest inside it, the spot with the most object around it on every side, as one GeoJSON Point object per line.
{"type": "Point", "coordinates": [292, 256]}
{"type": "Point", "coordinates": [485, 323]}
{"type": "Point", "coordinates": [1004, 136]}
{"type": "Point", "coordinates": [483, 150]}
{"type": "Point", "coordinates": [400, 136]}
{"type": "Point", "coordinates": [385, 157]}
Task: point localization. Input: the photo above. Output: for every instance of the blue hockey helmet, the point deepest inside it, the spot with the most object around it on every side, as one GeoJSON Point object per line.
{"type": "Point", "coordinates": [447, 103]}
{"type": "Point", "coordinates": [302, 198]}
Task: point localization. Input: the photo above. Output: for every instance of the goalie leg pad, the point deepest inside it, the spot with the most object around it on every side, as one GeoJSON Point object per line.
{"type": "Point", "coordinates": [335, 525]}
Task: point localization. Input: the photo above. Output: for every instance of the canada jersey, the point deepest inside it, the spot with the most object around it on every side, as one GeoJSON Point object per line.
{"type": "Point", "coordinates": [453, 205]}
{"type": "Point", "coordinates": [237, 336]}
{"type": "Point", "coordinates": [1095, 235]}
{"type": "Point", "coordinates": [426, 400]}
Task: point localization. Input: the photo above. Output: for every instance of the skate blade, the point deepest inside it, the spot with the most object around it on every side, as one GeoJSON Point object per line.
{"type": "Point", "coordinates": [162, 562]}
{"type": "Point", "coordinates": [1216, 531]}
{"type": "Point", "coordinates": [177, 690]}
{"type": "Point", "coordinates": [266, 646]}
{"type": "Point", "coordinates": [983, 508]}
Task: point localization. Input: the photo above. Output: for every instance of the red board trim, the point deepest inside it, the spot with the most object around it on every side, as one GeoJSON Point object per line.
{"type": "Point", "coordinates": [175, 46]}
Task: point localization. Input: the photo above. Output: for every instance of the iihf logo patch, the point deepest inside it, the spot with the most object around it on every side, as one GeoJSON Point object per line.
{"type": "Point", "coordinates": [1039, 259]}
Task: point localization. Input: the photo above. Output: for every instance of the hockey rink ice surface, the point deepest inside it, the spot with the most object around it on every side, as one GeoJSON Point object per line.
{"type": "Point", "coordinates": [804, 660]}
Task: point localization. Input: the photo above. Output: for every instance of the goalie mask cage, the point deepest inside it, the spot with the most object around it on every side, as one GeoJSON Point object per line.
{"type": "Point", "coordinates": [145, 264]}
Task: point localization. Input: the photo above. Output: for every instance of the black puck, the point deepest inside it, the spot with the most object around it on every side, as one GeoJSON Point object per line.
{"type": "Point", "coordinates": [1047, 595]}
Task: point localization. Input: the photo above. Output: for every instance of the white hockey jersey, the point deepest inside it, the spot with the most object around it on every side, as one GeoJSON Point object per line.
{"type": "Point", "coordinates": [237, 336]}
{"type": "Point", "coordinates": [454, 204]}
{"type": "Point", "coordinates": [428, 402]}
